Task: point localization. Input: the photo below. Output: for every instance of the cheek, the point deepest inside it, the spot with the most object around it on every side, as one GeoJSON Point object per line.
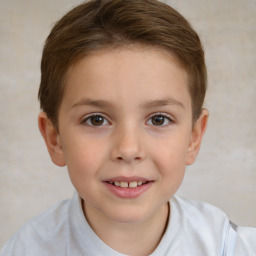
{"type": "Point", "coordinates": [171, 168]}
{"type": "Point", "coordinates": [171, 151]}
{"type": "Point", "coordinates": [84, 164]}
{"type": "Point", "coordinates": [171, 165]}
{"type": "Point", "coordinates": [170, 159]}
{"type": "Point", "coordinates": [83, 157]}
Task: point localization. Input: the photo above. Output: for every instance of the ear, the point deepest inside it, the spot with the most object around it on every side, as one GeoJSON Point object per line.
{"type": "Point", "coordinates": [52, 139]}
{"type": "Point", "coordinates": [197, 136]}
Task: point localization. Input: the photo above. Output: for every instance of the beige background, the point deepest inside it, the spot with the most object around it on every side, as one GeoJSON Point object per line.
{"type": "Point", "coordinates": [225, 172]}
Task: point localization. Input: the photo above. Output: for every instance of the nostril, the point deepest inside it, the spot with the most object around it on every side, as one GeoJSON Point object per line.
{"type": "Point", "coordinates": [127, 154]}
{"type": "Point", "coordinates": [119, 158]}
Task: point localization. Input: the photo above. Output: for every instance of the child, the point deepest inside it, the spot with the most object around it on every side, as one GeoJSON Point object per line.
{"type": "Point", "coordinates": [122, 88]}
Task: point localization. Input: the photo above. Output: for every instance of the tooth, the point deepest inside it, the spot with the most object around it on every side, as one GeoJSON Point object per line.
{"type": "Point", "coordinates": [133, 184]}
{"type": "Point", "coordinates": [123, 184]}
{"type": "Point", "coordinates": [117, 183]}
{"type": "Point", "coordinates": [140, 183]}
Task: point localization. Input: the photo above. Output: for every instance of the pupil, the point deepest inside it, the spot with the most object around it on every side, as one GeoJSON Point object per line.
{"type": "Point", "coordinates": [97, 120]}
{"type": "Point", "coordinates": [158, 120]}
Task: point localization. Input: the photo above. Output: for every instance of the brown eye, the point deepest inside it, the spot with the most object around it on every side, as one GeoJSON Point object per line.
{"type": "Point", "coordinates": [158, 120]}
{"type": "Point", "coordinates": [96, 120]}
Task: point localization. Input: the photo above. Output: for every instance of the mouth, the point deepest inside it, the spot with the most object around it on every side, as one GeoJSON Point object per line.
{"type": "Point", "coordinates": [128, 187]}
{"type": "Point", "coordinates": [125, 184]}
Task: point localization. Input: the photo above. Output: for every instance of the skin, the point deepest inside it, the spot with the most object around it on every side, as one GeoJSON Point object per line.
{"type": "Point", "coordinates": [127, 88]}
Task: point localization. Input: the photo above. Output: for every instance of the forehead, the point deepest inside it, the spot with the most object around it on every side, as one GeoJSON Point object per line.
{"type": "Point", "coordinates": [130, 71]}
{"type": "Point", "coordinates": [108, 53]}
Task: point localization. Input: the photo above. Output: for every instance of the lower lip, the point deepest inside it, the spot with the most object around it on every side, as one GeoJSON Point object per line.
{"type": "Point", "coordinates": [128, 192]}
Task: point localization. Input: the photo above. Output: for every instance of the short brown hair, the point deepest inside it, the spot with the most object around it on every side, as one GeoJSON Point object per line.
{"type": "Point", "coordinates": [98, 24]}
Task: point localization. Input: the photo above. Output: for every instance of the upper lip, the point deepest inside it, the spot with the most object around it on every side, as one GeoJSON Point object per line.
{"type": "Point", "coordinates": [127, 179]}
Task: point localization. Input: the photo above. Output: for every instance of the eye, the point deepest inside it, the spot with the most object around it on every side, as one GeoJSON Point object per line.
{"type": "Point", "coordinates": [159, 120]}
{"type": "Point", "coordinates": [95, 120]}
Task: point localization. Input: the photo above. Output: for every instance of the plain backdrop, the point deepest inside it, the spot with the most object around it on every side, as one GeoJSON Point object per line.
{"type": "Point", "coordinates": [224, 173]}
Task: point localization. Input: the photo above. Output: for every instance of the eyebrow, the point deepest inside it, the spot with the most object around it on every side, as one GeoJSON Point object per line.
{"type": "Point", "coordinates": [148, 104]}
{"type": "Point", "coordinates": [93, 103]}
{"type": "Point", "coordinates": [162, 103]}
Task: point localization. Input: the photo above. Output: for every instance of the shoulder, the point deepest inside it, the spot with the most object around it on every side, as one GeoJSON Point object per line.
{"type": "Point", "coordinates": [200, 214]}
{"type": "Point", "coordinates": [241, 240]}
{"type": "Point", "coordinates": [45, 231]}
{"type": "Point", "coordinates": [210, 227]}
{"type": "Point", "coordinates": [204, 224]}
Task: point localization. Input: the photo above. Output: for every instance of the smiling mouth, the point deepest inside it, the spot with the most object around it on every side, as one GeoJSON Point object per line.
{"type": "Point", "coordinates": [128, 187]}
{"type": "Point", "coordinates": [125, 184]}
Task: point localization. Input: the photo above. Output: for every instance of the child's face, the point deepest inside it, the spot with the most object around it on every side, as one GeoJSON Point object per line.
{"type": "Point", "coordinates": [126, 117]}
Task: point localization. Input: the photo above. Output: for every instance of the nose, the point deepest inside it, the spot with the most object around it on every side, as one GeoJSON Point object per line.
{"type": "Point", "coordinates": [128, 146]}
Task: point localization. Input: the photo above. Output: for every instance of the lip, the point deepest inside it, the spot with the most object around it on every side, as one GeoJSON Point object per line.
{"type": "Point", "coordinates": [127, 179]}
{"type": "Point", "coordinates": [128, 193]}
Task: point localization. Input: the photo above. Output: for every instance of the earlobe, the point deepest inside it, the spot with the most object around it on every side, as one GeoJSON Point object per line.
{"type": "Point", "coordinates": [52, 139]}
{"type": "Point", "coordinates": [197, 136]}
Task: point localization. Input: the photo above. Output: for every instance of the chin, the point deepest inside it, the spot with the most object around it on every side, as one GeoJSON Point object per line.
{"type": "Point", "coordinates": [129, 215]}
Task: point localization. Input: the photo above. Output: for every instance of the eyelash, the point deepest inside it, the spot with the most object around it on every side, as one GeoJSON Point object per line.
{"type": "Point", "coordinates": [166, 117]}
{"type": "Point", "coordinates": [88, 119]}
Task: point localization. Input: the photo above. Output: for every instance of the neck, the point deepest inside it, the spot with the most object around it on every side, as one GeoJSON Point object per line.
{"type": "Point", "coordinates": [137, 239]}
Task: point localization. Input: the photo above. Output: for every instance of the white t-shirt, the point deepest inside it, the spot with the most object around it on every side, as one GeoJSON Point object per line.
{"type": "Point", "coordinates": [194, 229]}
